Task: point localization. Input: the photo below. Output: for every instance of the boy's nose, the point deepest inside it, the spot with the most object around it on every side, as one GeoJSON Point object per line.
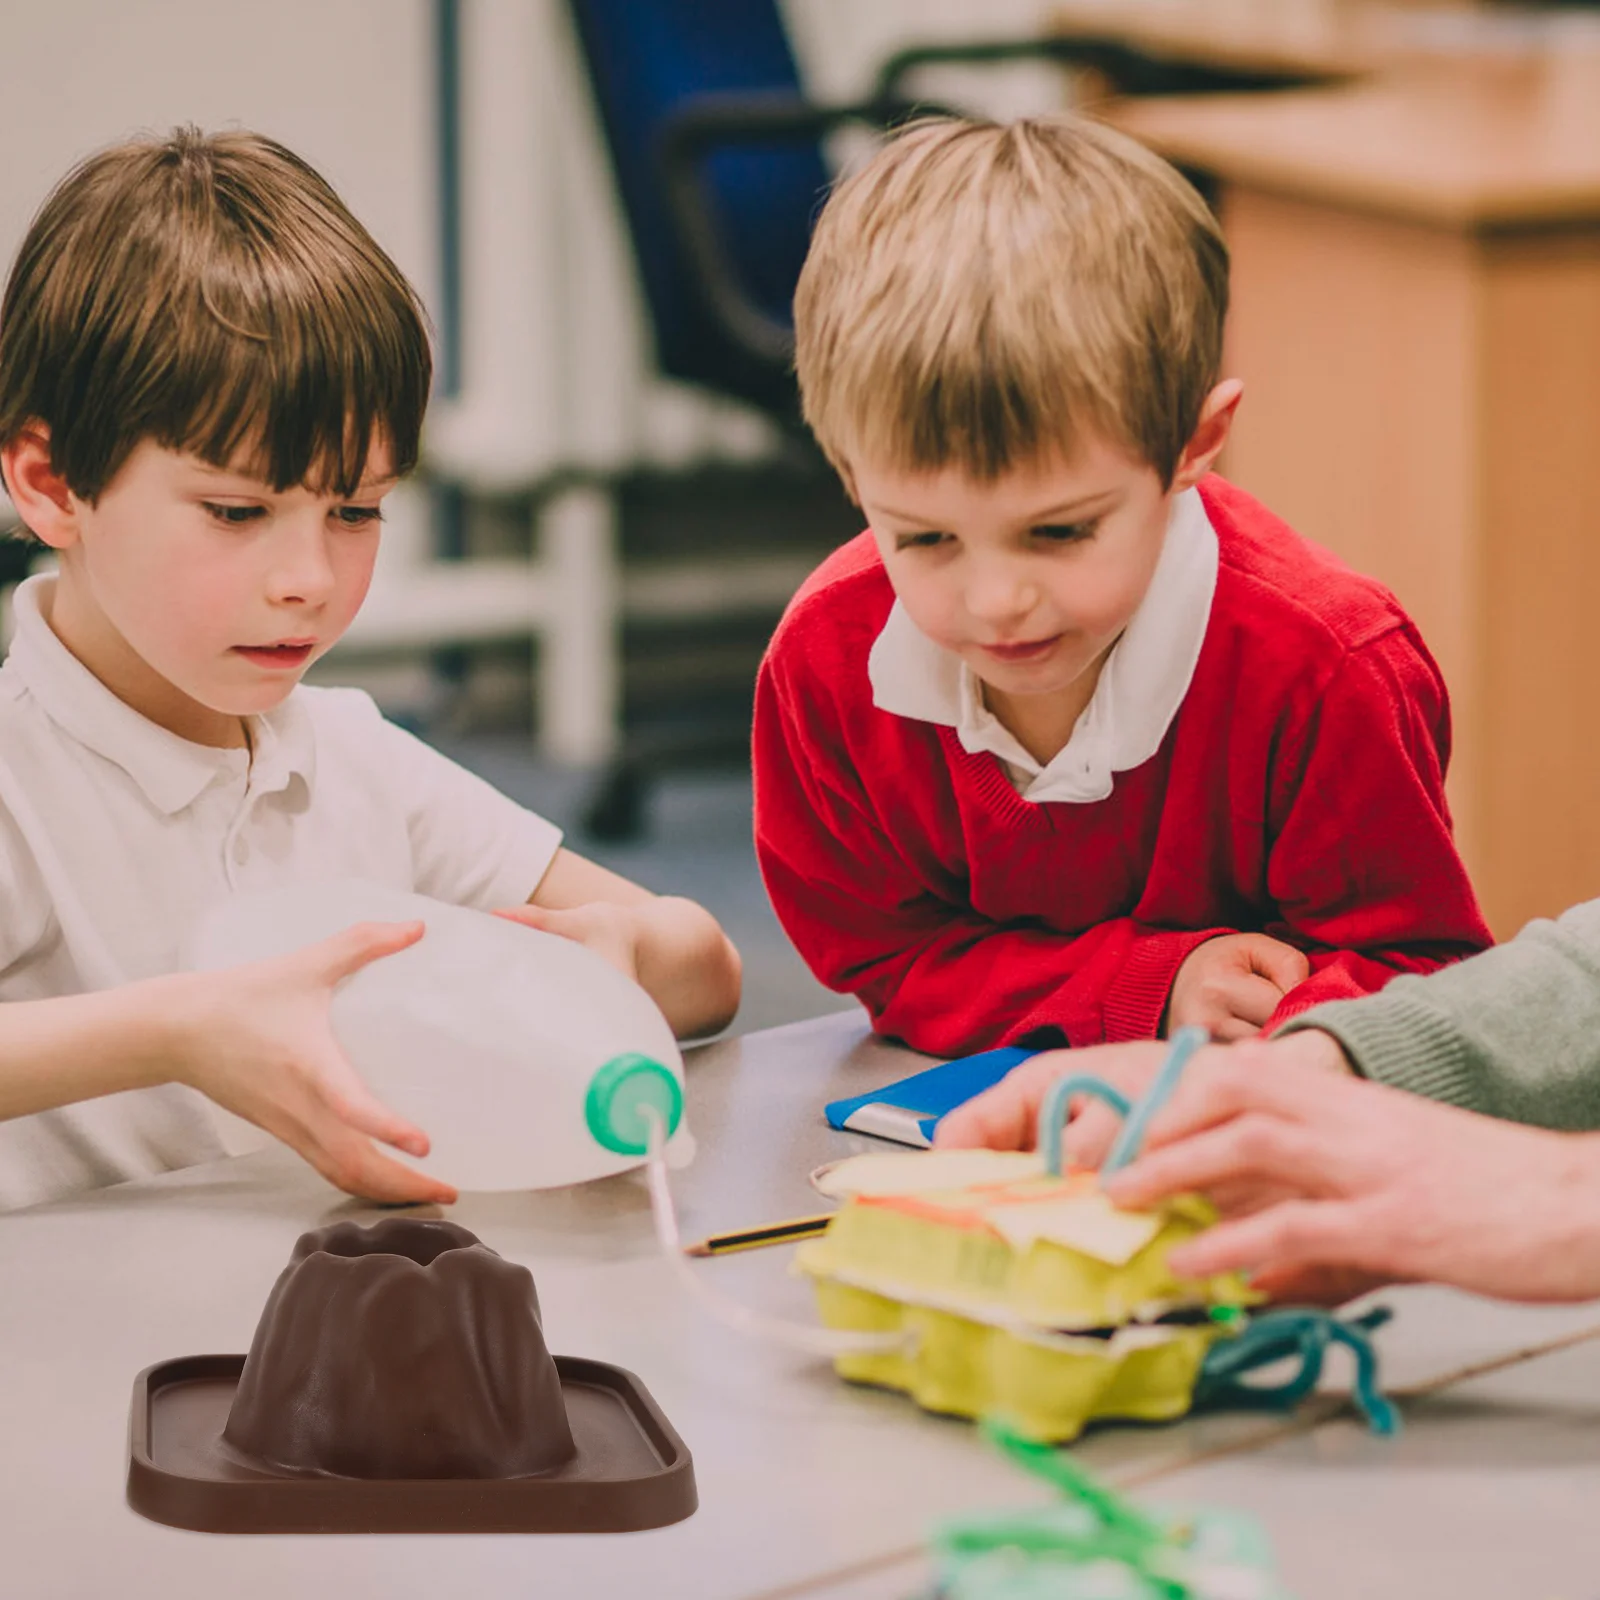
{"type": "Point", "coordinates": [301, 572]}
{"type": "Point", "coordinates": [999, 599]}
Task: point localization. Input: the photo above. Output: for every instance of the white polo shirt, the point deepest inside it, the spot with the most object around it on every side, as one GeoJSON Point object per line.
{"type": "Point", "coordinates": [116, 835]}
{"type": "Point", "coordinates": [1141, 685]}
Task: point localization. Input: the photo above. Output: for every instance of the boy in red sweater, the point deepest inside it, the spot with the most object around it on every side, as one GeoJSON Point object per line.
{"type": "Point", "coordinates": [1078, 742]}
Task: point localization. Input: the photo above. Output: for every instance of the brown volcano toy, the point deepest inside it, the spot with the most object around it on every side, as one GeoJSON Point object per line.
{"type": "Point", "coordinates": [399, 1381]}
{"type": "Point", "coordinates": [408, 1350]}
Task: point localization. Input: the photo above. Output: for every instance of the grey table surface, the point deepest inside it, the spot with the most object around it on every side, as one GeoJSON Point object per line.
{"type": "Point", "coordinates": [807, 1486]}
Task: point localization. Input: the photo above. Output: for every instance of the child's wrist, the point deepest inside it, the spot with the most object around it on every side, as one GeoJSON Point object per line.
{"type": "Point", "coordinates": [172, 1030]}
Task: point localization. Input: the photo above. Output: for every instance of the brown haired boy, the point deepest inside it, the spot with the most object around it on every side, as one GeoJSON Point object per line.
{"type": "Point", "coordinates": [210, 376]}
{"type": "Point", "coordinates": [1078, 742]}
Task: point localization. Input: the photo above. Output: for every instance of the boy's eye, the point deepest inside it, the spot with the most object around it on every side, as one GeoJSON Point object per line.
{"type": "Point", "coordinates": [233, 516]}
{"type": "Point", "coordinates": [359, 516]}
{"type": "Point", "coordinates": [1067, 532]}
{"type": "Point", "coordinates": [919, 541]}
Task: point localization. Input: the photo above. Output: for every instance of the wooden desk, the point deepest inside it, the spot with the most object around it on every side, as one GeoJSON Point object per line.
{"type": "Point", "coordinates": [1305, 38]}
{"type": "Point", "coordinates": [1417, 321]}
{"type": "Point", "coordinates": [805, 1483]}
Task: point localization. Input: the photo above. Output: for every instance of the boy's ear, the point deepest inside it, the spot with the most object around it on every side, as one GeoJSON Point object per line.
{"type": "Point", "coordinates": [1210, 434]}
{"type": "Point", "coordinates": [48, 508]}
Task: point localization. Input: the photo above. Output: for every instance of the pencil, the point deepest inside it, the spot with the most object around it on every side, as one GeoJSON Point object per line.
{"type": "Point", "coordinates": [721, 1244]}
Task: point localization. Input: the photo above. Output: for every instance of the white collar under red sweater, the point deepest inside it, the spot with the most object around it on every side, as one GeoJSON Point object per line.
{"type": "Point", "coordinates": [1144, 681]}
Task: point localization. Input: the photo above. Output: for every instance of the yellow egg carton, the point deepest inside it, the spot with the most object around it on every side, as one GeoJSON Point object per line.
{"type": "Point", "coordinates": [1022, 1294]}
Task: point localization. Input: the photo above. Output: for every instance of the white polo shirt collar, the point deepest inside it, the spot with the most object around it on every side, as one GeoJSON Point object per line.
{"type": "Point", "coordinates": [1141, 687]}
{"type": "Point", "coordinates": [172, 772]}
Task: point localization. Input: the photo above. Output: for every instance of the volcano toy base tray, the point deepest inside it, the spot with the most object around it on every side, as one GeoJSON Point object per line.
{"type": "Point", "coordinates": [631, 1471]}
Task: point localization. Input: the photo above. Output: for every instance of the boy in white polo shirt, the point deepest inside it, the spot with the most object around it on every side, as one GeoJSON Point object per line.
{"type": "Point", "coordinates": [210, 375]}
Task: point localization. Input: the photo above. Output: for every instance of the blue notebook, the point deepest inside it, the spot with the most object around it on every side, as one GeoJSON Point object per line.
{"type": "Point", "coordinates": [909, 1111]}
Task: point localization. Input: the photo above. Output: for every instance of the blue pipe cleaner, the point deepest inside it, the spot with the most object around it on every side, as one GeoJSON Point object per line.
{"type": "Point", "coordinates": [1304, 1332]}
{"type": "Point", "coordinates": [1053, 1113]}
{"type": "Point", "coordinates": [1278, 1335]}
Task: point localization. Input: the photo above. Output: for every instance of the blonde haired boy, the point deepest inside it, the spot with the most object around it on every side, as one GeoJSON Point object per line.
{"type": "Point", "coordinates": [210, 377]}
{"type": "Point", "coordinates": [1077, 742]}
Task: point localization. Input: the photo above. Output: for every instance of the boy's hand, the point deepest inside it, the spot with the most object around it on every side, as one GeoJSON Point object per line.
{"type": "Point", "coordinates": [1230, 985]}
{"type": "Point", "coordinates": [671, 947]}
{"type": "Point", "coordinates": [258, 1040]}
{"type": "Point", "coordinates": [611, 931]}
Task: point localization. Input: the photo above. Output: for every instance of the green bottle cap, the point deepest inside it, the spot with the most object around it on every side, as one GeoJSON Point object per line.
{"type": "Point", "coordinates": [618, 1095]}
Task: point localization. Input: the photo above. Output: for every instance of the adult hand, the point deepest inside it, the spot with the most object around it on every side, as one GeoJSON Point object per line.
{"type": "Point", "coordinates": [1006, 1117]}
{"type": "Point", "coordinates": [1232, 984]}
{"type": "Point", "coordinates": [258, 1040]}
{"type": "Point", "coordinates": [1372, 1181]}
{"type": "Point", "coordinates": [611, 931]}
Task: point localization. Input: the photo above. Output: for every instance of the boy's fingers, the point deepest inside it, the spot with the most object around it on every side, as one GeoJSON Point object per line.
{"type": "Point", "coordinates": [348, 1098]}
{"type": "Point", "coordinates": [359, 1169]}
{"type": "Point", "coordinates": [343, 1156]}
{"type": "Point", "coordinates": [354, 948]}
{"type": "Point", "coordinates": [369, 1116]}
{"type": "Point", "coordinates": [1280, 963]}
{"type": "Point", "coordinates": [1229, 1029]}
{"type": "Point", "coordinates": [529, 916]}
{"type": "Point", "coordinates": [1251, 999]}
{"type": "Point", "coordinates": [351, 1161]}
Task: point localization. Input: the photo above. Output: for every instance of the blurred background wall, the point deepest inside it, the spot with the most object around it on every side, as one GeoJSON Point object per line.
{"type": "Point", "coordinates": [555, 363]}
{"type": "Point", "coordinates": [573, 596]}
{"type": "Point", "coordinates": [546, 367]}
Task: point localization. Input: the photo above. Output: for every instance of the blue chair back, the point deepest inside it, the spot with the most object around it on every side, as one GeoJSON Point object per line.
{"type": "Point", "coordinates": [647, 59]}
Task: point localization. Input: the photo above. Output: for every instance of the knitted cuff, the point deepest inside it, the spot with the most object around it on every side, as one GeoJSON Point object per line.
{"type": "Point", "coordinates": [1138, 994]}
{"type": "Point", "coordinates": [1394, 1039]}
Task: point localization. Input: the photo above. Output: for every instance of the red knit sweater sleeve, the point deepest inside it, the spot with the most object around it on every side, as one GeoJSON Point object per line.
{"type": "Point", "coordinates": [930, 970]}
{"type": "Point", "coordinates": [1362, 868]}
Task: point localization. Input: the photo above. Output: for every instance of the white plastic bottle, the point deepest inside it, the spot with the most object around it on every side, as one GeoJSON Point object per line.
{"type": "Point", "coordinates": [525, 1058]}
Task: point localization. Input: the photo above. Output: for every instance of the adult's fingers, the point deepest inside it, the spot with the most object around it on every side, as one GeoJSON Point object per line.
{"type": "Point", "coordinates": [1220, 1087]}
{"type": "Point", "coordinates": [1090, 1135]}
{"type": "Point", "coordinates": [349, 951]}
{"type": "Point", "coordinates": [1006, 1116]}
{"type": "Point", "coordinates": [1255, 1146]}
{"type": "Point", "coordinates": [1302, 1233]}
{"type": "Point", "coordinates": [1281, 963]}
{"type": "Point", "coordinates": [1317, 1286]}
{"type": "Point", "coordinates": [998, 1119]}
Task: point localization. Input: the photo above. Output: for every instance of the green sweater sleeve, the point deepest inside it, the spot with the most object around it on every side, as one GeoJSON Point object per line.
{"type": "Point", "coordinates": [1514, 1032]}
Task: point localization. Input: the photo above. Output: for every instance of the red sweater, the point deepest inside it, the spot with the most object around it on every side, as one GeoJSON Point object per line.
{"type": "Point", "coordinates": [1299, 792]}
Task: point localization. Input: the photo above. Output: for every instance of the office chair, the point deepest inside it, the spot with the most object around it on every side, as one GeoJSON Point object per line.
{"type": "Point", "coordinates": [719, 163]}
{"type": "Point", "coordinates": [718, 160]}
